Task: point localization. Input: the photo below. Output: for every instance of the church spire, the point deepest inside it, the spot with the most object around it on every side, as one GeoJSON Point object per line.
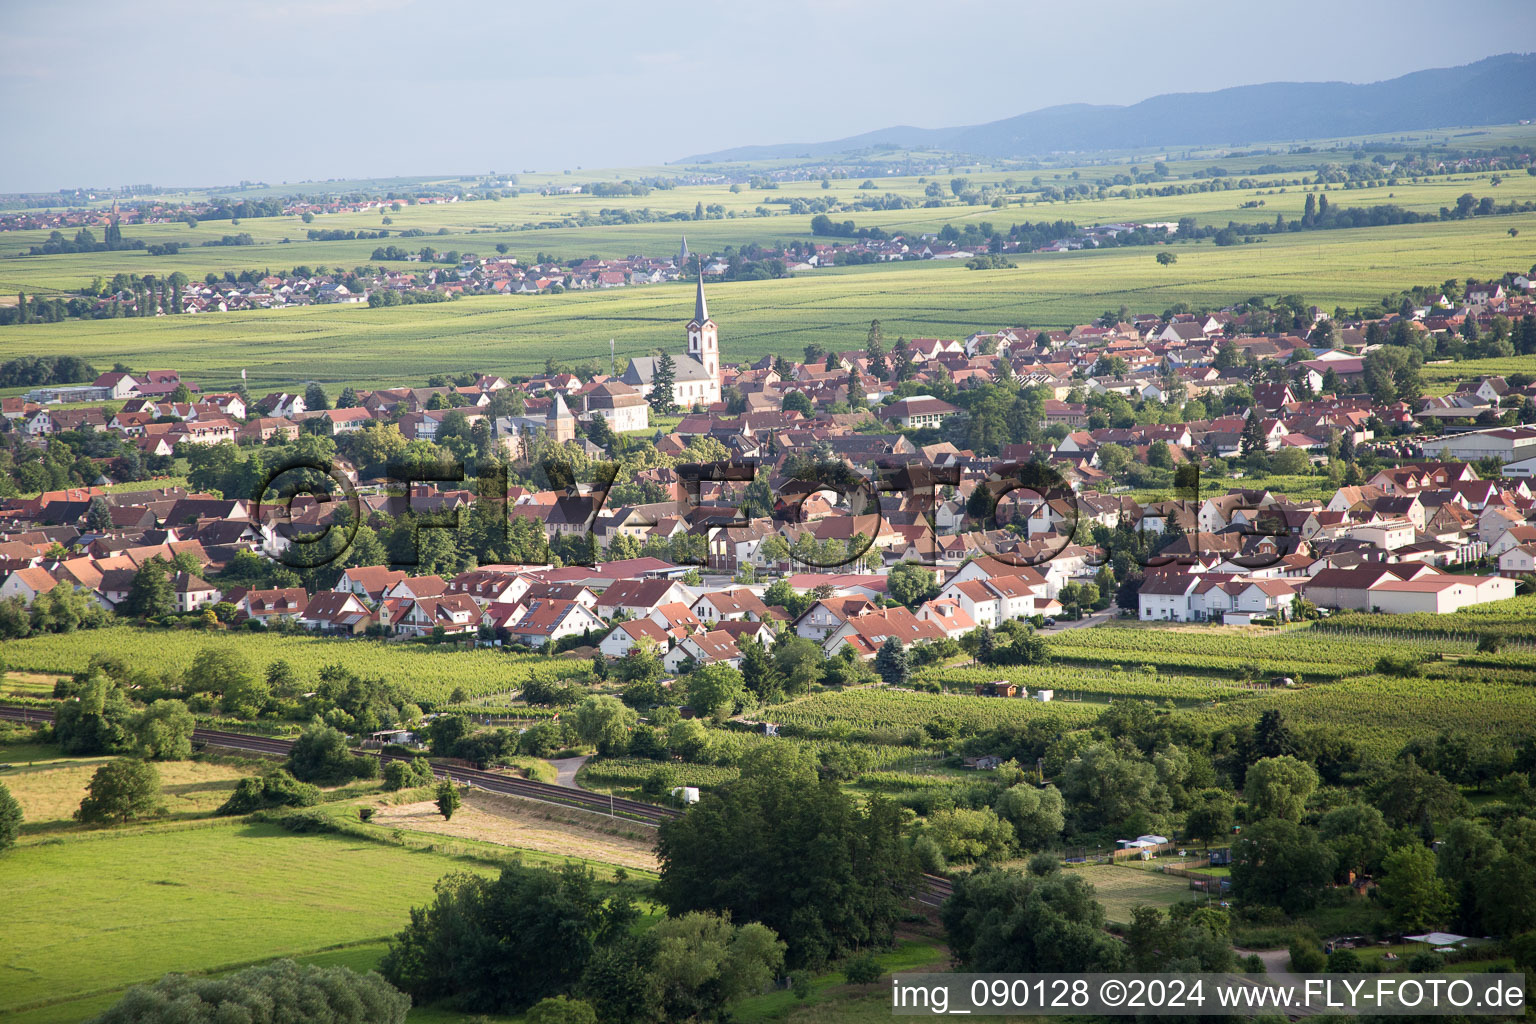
{"type": "Point", "coordinates": [700, 309]}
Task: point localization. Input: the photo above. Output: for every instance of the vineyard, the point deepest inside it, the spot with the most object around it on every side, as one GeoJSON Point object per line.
{"type": "Point", "coordinates": [1381, 713]}
{"type": "Point", "coordinates": [866, 710]}
{"type": "Point", "coordinates": [630, 772]}
{"type": "Point", "coordinates": [1304, 654]}
{"type": "Point", "coordinates": [1512, 621]}
{"type": "Point", "coordinates": [429, 674]}
{"type": "Point", "coordinates": [1092, 684]}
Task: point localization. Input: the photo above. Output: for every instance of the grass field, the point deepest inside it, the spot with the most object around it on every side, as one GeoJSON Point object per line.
{"type": "Point", "coordinates": [95, 914]}
{"type": "Point", "coordinates": [1122, 889]}
{"type": "Point", "coordinates": [405, 344]}
{"type": "Point", "coordinates": [50, 791]}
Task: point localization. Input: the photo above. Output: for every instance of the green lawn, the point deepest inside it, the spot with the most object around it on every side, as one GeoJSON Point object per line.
{"type": "Point", "coordinates": [90, 916]}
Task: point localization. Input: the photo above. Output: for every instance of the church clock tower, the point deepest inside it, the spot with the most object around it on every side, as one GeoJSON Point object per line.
{"type": "Point", "coordinates": [703, 336]}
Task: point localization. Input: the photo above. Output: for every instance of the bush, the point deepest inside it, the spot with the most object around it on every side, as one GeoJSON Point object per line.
{"type": "Point", "coordinates": [366, 813]}
{"type": "Point", "coordinates": [1042, 864]}
{"type": "Point", "coordinates": [561, 1010]}
{"type": "Point", "coordinates": [1306, 956]}
{"type": "Point", "coordinates": [1253, 963]}
{"type": "Point", "coordinates": [660, 782]}
{"type": "Point", "coordinates": [1425, 963]}
{"type": "Point", "coordinates": [10, 818]}
{"type": "Point", "coordinates": [407, 774]}
{"type": "Point", "coordinates": [277, 993]}
{"type": "Point", "coordinates": [863, 969]}
{"type": "Point", "coordinates": [1405, 666]}
{"type": "Point", "coordinates": [276, 788]}
{"type": "Point", "coordinates": [800, 984]}
{"type": "Point", "coordinates": [1344, 961]}
{"type": "Point", "coordinates": [321, 755]}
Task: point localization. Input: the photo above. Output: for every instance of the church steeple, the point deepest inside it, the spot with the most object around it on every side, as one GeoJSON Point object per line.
{"type": "Point", "coordinates": [703, 336]}
{"type": "Point", "coordinates": [700, 308]}
{"type": "Point", "coordinates": [682, 255]}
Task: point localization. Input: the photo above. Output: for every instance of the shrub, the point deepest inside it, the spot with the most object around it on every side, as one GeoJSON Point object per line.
{"type": "Point", "coordinates": [276, 788]}
{"type": "Point", "coordinates": [1253, 963]}
{"type": "Point", "coordinates": [1306, 956]}
{"type": "Point", "coordinates": [366, 813]}
{"type": "Point", "coordinates": [321, 755]}
{"type": "Point", "coordinates": [1344, 961]}
{"type": "Point", "coordinates": [863, 969]}
{"type": "Point", "coordinates": [561, 1010]}
{"type": "Point", "coordinates": [277, 993]}
{"type": "Point", "coordinates": [10, 818]}
{"type": "Point", "coordinates": [407, 774]}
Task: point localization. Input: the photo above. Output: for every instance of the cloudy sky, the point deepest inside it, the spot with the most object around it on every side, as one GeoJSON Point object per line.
{"type": "Point", "coordinates": [178, 93]}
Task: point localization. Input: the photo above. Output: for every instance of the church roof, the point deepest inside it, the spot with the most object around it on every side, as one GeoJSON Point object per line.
{"type": "Point", "coordinates": [560, 411]}
{"type": "Point", "coordinates": [642, 369]}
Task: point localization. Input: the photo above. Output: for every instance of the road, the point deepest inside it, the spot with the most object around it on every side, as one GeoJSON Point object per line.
{"type": "Point", "coordinates": [1096, 619]}
{"type": "Point", "coordinates": [566, 769]}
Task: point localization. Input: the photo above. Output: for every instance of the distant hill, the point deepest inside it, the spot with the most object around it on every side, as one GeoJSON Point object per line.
{"type": "Point", "coordinates": [1497, 90]}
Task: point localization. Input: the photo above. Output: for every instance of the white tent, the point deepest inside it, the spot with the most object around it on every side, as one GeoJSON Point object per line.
{"type": "Point", "coordinates": [1437, 938]}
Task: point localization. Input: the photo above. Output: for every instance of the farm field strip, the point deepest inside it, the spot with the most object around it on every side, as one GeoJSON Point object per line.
{"type": "Point", "coordinates": [405, 344]}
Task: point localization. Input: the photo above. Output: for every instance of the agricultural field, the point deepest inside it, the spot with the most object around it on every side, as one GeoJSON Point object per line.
{"type": "Point", "coordinates": [832, 308]}
{"type": "Point", "coordinates": [430, 675]}
{"type": "Point", "coordinates": [868, 709]}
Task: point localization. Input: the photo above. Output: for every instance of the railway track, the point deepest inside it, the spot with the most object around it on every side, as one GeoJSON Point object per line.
{"type": "Point", "coordinates": [528, 789]}
{"type": "Point", "coordinates": [932, 892]}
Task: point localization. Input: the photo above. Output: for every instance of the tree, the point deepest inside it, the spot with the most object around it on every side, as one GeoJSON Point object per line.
{"type": "Point", "coordinates": [1411, 797]}
{"type": "Point", "coordinates": [121, 789]}
{"type": "Point", "coordinates": [1506, 895]}
{"type": "Point", "coordinates": [1357, 834]}
{"type": "Point", "coordinates": [448, 798]}
{"type": "Point", "coordinates": [1210, 814]}
{"type": "Point", "coordinates": [315, 397]}
{"type": "Point", "coordinates": [10, 818]}
{"type": "Point", "coordinates": [281, 992]}
{"type": "Point", "coordinates": [1279, 787]}
{"type": "Point", "coordinates": [1415, 896]}
{"type": "Point", "coordinates": [1036, 814]}
{"type": "Point", "coordinates": [1005, 920]}
{"type": "Point", "coordinates": [759, 671]}
{"type": "Point", "coordinates": [911, 583]}
{"type": "Point", "coordinates": [796, 401]}
{"type": "Point", "coordinates": [163, 732]}
{"type": "Point", "coordinates": [663, 378]}
{"type": "Point", "coordinates": [968, 835]}
{"type": "Point", "coordinates": [716, 689]}
{"type": "Point", "coordinates": [321, 755]}
{"type": "Point", "coordinates": [98, 517]}
{"type": "Point", "coordinates": [1280, 863]}
{"type": "Point", "coordinates": [605, 722]}
{"type": "Point", "coordinates": [150, 596]}
{"type": "Point", "coordinates": [893, 663]}
{"type": "Point", "coordinates": [502, 945]}
{"type": "Point", "coordinates": [851, 854]}
{"type": "Point", "coordinates": [1166, 259]}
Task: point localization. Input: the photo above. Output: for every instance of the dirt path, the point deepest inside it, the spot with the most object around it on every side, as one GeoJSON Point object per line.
{"type": "Point", "coordinates": [566, 769]}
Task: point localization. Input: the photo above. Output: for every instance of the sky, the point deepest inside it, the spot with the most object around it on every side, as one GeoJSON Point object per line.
{"type": "Point", "coordinates": [102, 93]}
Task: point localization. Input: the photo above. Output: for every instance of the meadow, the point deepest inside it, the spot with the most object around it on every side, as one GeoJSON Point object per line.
{"type": "Point", "coordinates": [97, 913]}
{"type": "Point", "coordinates": [831, 308]}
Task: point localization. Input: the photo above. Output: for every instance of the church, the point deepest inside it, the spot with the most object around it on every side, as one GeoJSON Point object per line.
{"type": "Point", "coordinates": [696, 379]}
